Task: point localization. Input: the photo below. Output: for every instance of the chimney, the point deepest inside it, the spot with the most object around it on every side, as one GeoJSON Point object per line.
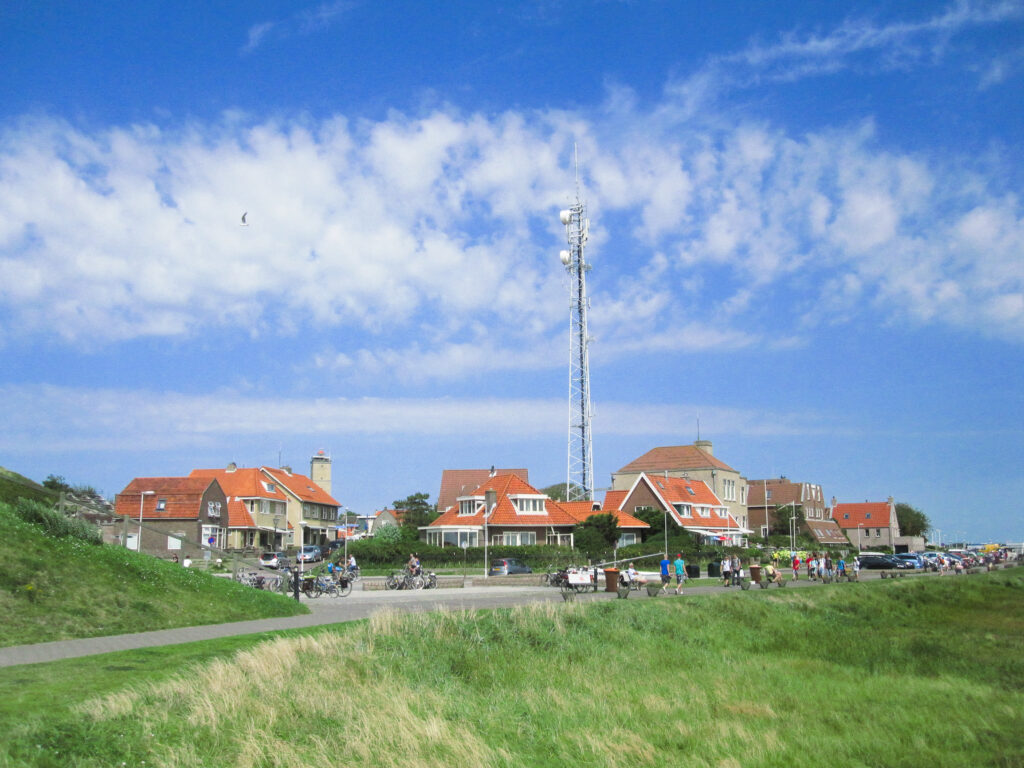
{"type": "Point", "coordinates": [704, 445]}
{"type": "Point", "coordinates": [232, 467]}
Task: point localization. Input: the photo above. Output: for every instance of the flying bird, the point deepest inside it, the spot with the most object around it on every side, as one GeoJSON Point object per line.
{"type": "Point", "coordinates": [244, 222]}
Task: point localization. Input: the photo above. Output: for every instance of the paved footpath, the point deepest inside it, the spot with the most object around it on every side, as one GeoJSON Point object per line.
{"type": "Point", "coordinates": [327, 610]}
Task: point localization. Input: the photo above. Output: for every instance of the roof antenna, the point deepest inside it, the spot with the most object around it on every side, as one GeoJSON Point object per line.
{"type": "Point", "coordinates": [698, 427]}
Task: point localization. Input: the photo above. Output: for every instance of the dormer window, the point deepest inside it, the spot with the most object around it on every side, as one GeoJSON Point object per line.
{"type": "Point", "coordinates": [682, 509]}
{"type": "Point", "coordinates": [529, 505]}
{"type": "Point", "coordinates": [271, 488]}
{"type": "Point", "coordinates": [468, 506]}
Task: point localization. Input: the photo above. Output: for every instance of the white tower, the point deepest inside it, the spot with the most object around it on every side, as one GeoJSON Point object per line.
{"type": "Point", "coordinates": [580, 477]}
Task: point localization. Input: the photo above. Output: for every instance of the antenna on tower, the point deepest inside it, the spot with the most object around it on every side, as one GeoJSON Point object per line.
{"type": "Point", "coordinates": [580, 475]}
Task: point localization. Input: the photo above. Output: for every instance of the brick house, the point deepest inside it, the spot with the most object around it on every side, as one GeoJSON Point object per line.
{"type": "Point", "coordinates": [697, 462]}
{"type": "Point", "coordinates": [178, 514]}
{"type": "Point", "coordinates": [459, 482]}
{"type": "Point", "coordinates": [772, 502]}
{"type": "Point", "coordinates": [687, 502]}
{"type": "Point", "coordinates": [868, 525]}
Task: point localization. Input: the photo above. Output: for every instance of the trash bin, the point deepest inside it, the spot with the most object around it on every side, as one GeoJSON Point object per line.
{"type": "Point", "coordinates": [693, 571]}
{"type": "Point", "coordinates": [714, 570]}
{"type": "Point", "coordinates": [755, 574]}
{"type": "Point", "coordinates": [611, 579]}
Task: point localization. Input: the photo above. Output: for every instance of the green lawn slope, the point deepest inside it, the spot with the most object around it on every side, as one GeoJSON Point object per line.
{"type": "Point", "coordinates": [57, 588]}
{"type": "Point", "coordinates": [899, 673]}
{"type": "Point", "coordinates": [14, 486]}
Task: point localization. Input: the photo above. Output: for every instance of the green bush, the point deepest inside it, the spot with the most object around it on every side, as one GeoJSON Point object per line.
{"type": "Point", "coordinates": [55, 523]}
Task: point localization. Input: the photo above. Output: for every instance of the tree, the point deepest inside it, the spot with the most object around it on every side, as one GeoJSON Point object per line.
{"type": "Point", "coordinates": [912, 521]}
{"type": "Point", "coordinates": [388, 533]}
{"type": "Point", "coordinates": [654, 518]}
{"type": "Point", "coordinates": [56, 483]}
{"type": "Point", "coordinates": [558, 492]}
{"type": "Point", "coordinates": [416, 512]}
{"type": "Point", "coordinates": [597, 534]}
{"type": "Point", "coordinates": [779, 519]}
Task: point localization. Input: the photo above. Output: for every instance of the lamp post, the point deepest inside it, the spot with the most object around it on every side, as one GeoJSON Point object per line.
{"type": "Point", "coordinates": [273, 544]}
{"type": "Point", "coordinates": [666, 533]}
{"type": "Point", "coordinates": [490, 499]}
{"type": "Point", "coordinates": [345, 529]}
{"type": "Point", "coordinates": [138, 541]}
{"type": "Point", "coordinates": [860, 546]}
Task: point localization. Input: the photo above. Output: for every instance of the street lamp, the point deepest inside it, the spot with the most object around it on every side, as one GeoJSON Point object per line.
{"type": "Point", "coordinates": [860, 547]}
{"type": "Point", "coordinates": [138, 542]}
{"type": "Point", "coordinates": [490, 499]}
{"type": "Point", "coordinates": [345, 529]}
{"type": "Point", "coordinates": [273, 544]}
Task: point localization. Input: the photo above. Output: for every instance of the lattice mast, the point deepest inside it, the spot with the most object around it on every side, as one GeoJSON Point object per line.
{"type": "Point", "coordinates": [580, 476]}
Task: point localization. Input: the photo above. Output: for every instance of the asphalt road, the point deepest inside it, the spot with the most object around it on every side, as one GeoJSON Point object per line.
{"type": "Point", "coordinates": [328, 610]}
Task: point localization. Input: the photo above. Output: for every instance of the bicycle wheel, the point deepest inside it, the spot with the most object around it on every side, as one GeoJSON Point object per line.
{"type": "Point", "coordinates": [431, 582]}
{"type": "Point", "coordinates": [391, 582]}
{"type": "Point", "coordinates": [344, 588]}
{"type": "Point", "coordinates": [416, 582]}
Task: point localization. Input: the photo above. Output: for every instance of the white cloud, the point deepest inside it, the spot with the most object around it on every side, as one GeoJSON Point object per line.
{"type": "Point", "coordinates": [64, 418]}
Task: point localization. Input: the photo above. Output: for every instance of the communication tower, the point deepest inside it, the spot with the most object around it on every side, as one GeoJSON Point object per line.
{"type": "Point", "coordinates": [580, 477]}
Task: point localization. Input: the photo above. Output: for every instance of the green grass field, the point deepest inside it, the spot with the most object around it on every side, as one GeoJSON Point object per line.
{"type": "Point", "coordinates": [915, 672]}
{"type": "Point", "coordinates": [59, 588]}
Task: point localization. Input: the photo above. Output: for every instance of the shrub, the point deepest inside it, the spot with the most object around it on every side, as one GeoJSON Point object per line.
{"type": "Point", "coordinates": [56, 524]}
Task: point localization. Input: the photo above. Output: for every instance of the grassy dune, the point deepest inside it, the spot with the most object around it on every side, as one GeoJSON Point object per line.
{"type": "Point", "coordinates": [56, 588]}
{"type": "Point", "coordinates": [902, 673]}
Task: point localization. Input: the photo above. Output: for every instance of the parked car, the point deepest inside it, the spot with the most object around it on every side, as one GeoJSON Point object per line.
{"type": "Point", "coordinates": [274, 560]}
{"type": "Point", "coordinates": [883, 563]}
{"type": "Point", "coordinates": [310, 553]}
{"type": "Point", "coordinates": [503, 566]}
{"type": "Point", "coordinates": [910, 557]}
{"type": "Point", "coordinates": [330, 546]}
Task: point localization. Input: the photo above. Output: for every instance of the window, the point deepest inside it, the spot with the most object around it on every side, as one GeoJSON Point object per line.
{"type": "Point", "coordinates": [846, 515]}
{"type": "Point", "coordinates": [213, 509]}
{"type": "Point", "coordinates": [704, 511]}
{"type": "Point", "coordinates": [691, 491]}
{"type": "Point", "coordinates": [867, 516]}
{"type": "Point", "coordinates": [627, 539]}
{"type": "Point", "coordinates": [214, 532]}
{"type": "Point", "coordinates": [768, 495]}
{"type": "Point", "coordinates": [519, 539]}
{"type": "Point", "coordinates": [878, 532]}
{"type": "Point", "coordinates": [174, 540]}
{"type": "Point", "coordinates": [161, 504]}
{"type": "Point", "coordinates": [559, 539]}
{"type": "Point", "coordinates": [467, 507]}
{"type": "Point", "coordinates": [270, 487]}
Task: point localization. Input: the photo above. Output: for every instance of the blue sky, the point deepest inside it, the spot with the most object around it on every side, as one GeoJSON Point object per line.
{"type": "Point", "coordinates": [806, 232]}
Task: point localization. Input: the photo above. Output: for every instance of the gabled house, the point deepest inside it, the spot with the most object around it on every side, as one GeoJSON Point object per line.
{"type": "Point", "coordinates": [689, 503]}
{"type": "Point", "coordinates": [771, 503]}
{"type": "Point", "coordinates": [384, 517]}
{"type": "Point", "coordinates": [868, 525]}
{"type": "Point", "coordinates": [519, 515]}
{"type": "Point", "coordinates": [459, 482]}
{"type": "Point", "coordinates": [309, 506]}
{"type": "Point", "coordinates": [696, 462]}
{"type": "Point", "coordinates": [173, 513]}
{"type": "Point", "coordinates": [257, 508]}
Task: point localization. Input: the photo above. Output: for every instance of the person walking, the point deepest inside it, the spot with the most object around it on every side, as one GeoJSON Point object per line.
{"type": "Point", "coordinates": [726, 571]}
{"type": "Point", "coordinates": [796, 568]}
{"type": "Point", "coordinates": [680, 566]}
{"type": "Point", "coordinates": [665, 576]}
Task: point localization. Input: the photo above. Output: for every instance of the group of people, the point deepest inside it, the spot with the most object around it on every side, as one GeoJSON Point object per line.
{"type": "Point", "coordinates": [732, 571]}
{"type": "Point", "coordinates": [821, 567]}
{"type": "Point", "coordinates": [349, 568]}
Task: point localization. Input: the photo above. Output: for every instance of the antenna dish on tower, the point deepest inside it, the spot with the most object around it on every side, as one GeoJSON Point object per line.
{"type": "Point", "coordinates": [566, 257]}
{"type": "Point", "coordinates": [565, 217]}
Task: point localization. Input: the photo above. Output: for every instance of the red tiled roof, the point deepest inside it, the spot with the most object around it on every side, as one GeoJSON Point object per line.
{"type": "Point", "coordinates": [505, 512]}
{"type": "Point", "coordinates": [870, 514]}
{"type": "Point", "coordinates": [182, 497]}
{"type": "Point", "coordinates": [581, 510]}
{"type": "Point", "coordinates": [674, 457]}
{"type": "Point", "coordinates": [301, 486]}
{"type": "Point", "coordinates": [696, 493]}
{"type": "Point", "coordinates": [613, 500]}
{"type": "Point", "coordinates": [244, 482]}
{"type": "Point", "coordinates": [461, 482]}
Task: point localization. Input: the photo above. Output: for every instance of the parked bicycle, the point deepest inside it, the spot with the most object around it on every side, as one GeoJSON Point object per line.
{"type": "Point", "coordinates": [404, 580]}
